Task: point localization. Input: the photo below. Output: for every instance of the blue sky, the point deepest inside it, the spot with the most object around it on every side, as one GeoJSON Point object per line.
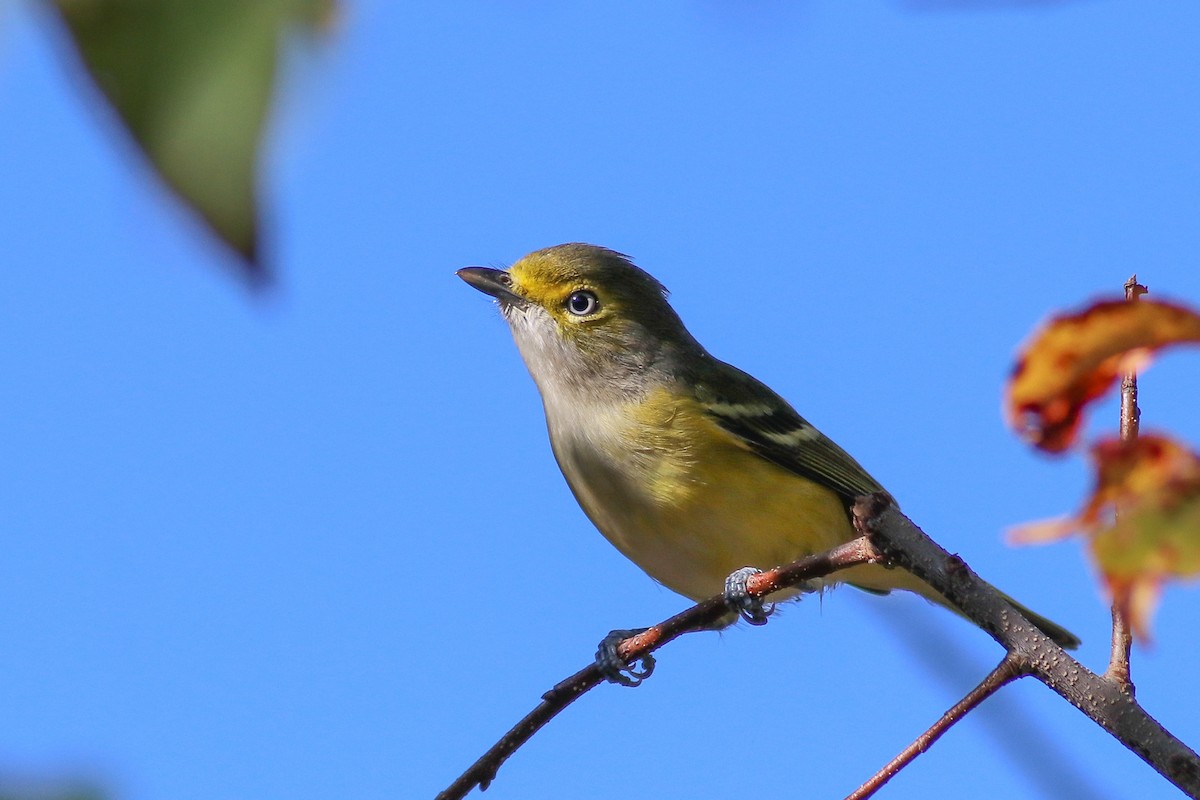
{"type": "Point", "coordinates": [314, 544]}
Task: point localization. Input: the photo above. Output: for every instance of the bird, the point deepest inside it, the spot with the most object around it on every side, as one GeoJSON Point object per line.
{"type": "Point", "coordinates": [697, 472]}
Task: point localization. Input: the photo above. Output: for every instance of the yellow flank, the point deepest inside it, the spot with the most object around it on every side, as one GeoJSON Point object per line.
{"type": "Point", "coordinates": [693, 504]}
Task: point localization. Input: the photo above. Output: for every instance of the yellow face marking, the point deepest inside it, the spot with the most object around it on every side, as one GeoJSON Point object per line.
{"type": "Point", "coordinates": [547, 282]}
{"type": "Point", "coordinates": [549, 279]}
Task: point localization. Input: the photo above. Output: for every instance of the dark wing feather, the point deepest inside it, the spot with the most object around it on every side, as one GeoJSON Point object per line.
{"type": "Point", "coordinates": [771, 428]}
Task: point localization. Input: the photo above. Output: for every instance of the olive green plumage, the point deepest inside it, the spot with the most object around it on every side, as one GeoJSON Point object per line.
{"type": "Point", "coordinates": [689, 466]}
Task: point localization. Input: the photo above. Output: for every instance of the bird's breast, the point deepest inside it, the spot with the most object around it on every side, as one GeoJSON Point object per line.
{"type": "Point", "coordinates": [684, 501]}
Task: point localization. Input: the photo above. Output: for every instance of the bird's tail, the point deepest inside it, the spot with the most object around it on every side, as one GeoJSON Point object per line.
{"type": "Point", "coordinates": [1061, 636]}
{"type": "Point", "coordinates": [881, 580]}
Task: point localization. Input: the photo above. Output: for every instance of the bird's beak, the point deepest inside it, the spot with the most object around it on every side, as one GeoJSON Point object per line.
{"type": "Point", "coordinates": [495, 282]}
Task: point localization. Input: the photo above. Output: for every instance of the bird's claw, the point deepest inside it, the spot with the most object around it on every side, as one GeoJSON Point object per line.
{"type": "Point", "coordinates": [614, 668]}
{"type": "Point", "coordinates": [737, 597]}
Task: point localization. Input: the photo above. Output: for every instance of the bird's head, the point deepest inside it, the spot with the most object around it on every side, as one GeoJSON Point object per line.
{"type": "Point", "coordinates": [582, 314]}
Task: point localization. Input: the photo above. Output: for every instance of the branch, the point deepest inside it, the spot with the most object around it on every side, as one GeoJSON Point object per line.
{"type": "Point", "coordinates": [702, 616]}
{"type": "Point", "coordinates": [1007, 671]}
{"type": "Point", "coordinates": [1122, 639]}
{"type": "Point", "coordinates": [1103, 701]}
{"type": "Point", "coordinates": [889, 536]}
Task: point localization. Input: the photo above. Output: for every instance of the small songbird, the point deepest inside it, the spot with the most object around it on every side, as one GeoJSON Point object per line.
{"type": "Point", "coordinates": [693, 469]}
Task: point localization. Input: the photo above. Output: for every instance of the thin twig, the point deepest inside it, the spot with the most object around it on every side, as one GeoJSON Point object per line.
{"type": "Point", "coordinates": [1131, 415]}
{"type": "Point", "coordinates": [702, 616]}
{"type": "Point", "coordinates": [1008, 670]}
{"type": "Point", "coordinates": [1101, 700]}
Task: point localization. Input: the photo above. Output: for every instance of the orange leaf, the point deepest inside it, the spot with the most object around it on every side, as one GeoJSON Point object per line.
{"type": "Point", "coordinates": [1142, 521]}
{"type": "Point", "coordinates": [1043, 532]}
{"type": "Point", "coordinates": [1076, 358]}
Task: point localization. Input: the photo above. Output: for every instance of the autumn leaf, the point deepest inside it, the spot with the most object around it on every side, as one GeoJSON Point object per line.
{"type": "Point", "coordinates": [1142, 521]}
{"type": "Point", "coordinates": [1077, 358]}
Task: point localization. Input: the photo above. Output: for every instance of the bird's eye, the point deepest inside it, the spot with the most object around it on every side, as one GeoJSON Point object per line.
{"type": "Point", "coordinates": [582, 303]}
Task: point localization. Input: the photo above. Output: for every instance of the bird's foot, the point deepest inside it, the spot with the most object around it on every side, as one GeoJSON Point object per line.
{"type": "Point", "coordinates": [616, 669]}
{"type": "Point", "coordinates": [738, 598]}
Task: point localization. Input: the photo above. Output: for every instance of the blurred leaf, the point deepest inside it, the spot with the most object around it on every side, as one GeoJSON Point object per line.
{"type": "Point", "coordinates": [192, 81]}
{"type": "Point", "coordinates": [30, 788]}
{"type": "Point", "coordinates": [1142, 520]}
{"type": "Point", "coordinates": [1076, 358]}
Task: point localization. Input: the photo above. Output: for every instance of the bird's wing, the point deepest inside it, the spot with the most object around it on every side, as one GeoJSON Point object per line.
{"type": "Point", "coordinates": [764, 422]}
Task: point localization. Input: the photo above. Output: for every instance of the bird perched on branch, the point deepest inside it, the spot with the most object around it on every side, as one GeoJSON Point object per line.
{"type": "Point", "coordinates": [697, 472]}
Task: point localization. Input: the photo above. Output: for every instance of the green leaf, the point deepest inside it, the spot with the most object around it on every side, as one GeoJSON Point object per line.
{"type": "Point", "coordinates": [192, 81]}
